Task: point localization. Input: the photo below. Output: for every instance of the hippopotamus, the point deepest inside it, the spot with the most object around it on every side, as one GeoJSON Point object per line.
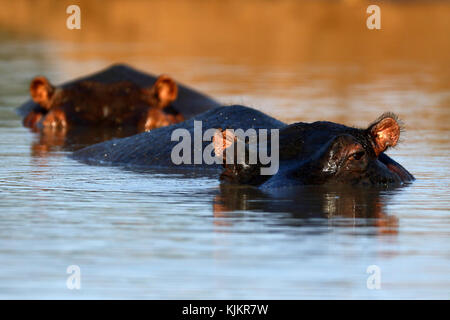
{"type": "Point", "coordinates": [116, 97]}
{"type": "Point", "coordinates": [318, 153]}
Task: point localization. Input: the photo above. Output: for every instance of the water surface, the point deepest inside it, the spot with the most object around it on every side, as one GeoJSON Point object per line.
{"type": "Point", "coordinates": [159, 234]}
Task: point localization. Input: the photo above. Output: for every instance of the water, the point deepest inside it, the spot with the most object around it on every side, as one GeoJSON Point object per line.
{"type": "Point", "coordinates": [175, 235]}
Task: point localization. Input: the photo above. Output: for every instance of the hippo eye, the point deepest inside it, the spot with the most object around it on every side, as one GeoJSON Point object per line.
{"type": "Point", "coordinates": [357, 155]}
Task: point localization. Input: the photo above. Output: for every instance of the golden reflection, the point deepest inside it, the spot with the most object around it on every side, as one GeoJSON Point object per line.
{"type": "Point", "coordinates": [297, 60]}
{"type": "Point", "coordinates": [253, 31]}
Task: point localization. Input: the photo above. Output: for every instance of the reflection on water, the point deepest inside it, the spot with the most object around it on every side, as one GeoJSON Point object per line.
{"type": "Point", "coordinates": [71, 139]}
{"type": "Point", "coordinates": [308, 205]}
{"type": "Point", "coordinates": [176, 234]}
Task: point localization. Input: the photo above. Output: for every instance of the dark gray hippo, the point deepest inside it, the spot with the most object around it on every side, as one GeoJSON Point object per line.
{"type": "Point", "coordinates": [154, 148]}
{"type": "Point", "coordinates": [319, 153]}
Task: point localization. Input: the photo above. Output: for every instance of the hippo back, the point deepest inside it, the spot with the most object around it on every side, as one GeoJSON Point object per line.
{"type": "Point", "coordinates": [153, 148]}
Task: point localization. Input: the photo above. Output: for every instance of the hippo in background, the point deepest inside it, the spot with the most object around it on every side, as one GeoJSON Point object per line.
{"type": "Point", "coordinates": [309, 153]}
{"type": "Point", "coordinates": [116, 98]}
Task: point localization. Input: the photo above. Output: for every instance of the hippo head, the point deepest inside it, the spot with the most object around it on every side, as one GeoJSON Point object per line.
{"type": "Point", "coordinates": [325, 153]}
{"type": "Point", "coordinates": [92, 102]}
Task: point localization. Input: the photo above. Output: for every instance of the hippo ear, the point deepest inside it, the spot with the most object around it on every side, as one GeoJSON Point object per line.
{"type": "Point", "coordinates": [385, 133]}
{"type": "Point", "coordinates": [225, 146]}
{"type": "Point", "coordinates": [41, 91]}
{"type": "Point", "coordinates": [222, 140]}
{"type": "Point", "coordinates": [166, 90]}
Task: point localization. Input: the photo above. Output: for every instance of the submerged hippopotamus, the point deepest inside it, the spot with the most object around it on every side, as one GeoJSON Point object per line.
{"type": "Point", "coordinates": [309, 153]}
{"type": "Point", "coordinates": [323, 153]}
{"type": "Point", "coordinates": [118, 96]}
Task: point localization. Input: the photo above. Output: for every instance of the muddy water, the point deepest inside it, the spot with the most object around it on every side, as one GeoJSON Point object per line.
{"type": "Point", "coordinates": [159, 234]}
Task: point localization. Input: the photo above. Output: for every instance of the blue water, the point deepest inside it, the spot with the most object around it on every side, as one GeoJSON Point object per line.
{"type": "Point", "coordinates": [169, 235]}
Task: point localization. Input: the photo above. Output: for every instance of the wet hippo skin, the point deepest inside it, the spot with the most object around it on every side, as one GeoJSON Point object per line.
{"type": "Point", "coordinates": [153, 148]}
{"type": "Point", "coordinates": [309, 153]}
